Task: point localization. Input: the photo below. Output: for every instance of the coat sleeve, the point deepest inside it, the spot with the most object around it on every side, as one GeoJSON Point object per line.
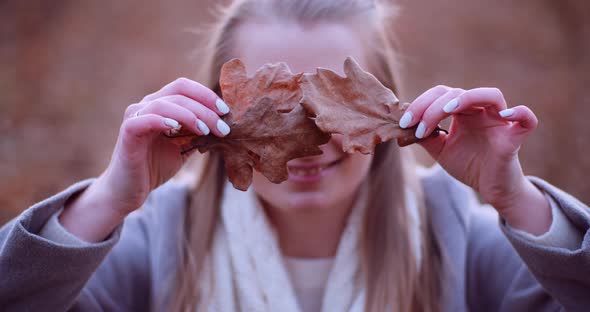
{"type": "Point", "coordinates": [38, 274]}
{"type": "Point", "coordinates": [521, 274]}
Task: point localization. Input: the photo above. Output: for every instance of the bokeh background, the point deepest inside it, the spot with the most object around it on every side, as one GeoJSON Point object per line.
{"type": "Point", "coordinates": [69, 68]}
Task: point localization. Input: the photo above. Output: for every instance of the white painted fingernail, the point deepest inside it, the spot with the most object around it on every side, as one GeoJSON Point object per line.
{"type": "Point", "coordinates": [451, 106]}
{"type": "Point", "coordinates": [507, 113]}
{"type": "Point", "coordinates": [421, 130]}
{"type": "Point", "coordinates": [222, 127]}
{"type": "Point", "coordinates": [221, 106]}
{"type": "Point", "coordinates": [203, 127]}
{"type": "Point", "coordinates": [406, 119]}
{"type": "Point", "coordinates": [171, 123]}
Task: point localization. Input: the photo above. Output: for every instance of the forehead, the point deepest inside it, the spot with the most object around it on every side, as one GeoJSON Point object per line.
{"type": "Point", "coordinates": [302, 48]}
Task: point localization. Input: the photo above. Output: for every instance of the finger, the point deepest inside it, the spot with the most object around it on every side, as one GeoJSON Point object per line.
{"type": "Point", "coordinates": [523, 117]}
{"type": "Point", "coordinates": [436, 112]}
{"type": "Point", "coordinates": [480, 97]}
{"type": "Point", "coordinates": [209, 117]}
{"type": "Point", "coordinates": [147, 125]}
{"type": "Point", "coordinates": [171, 110]}
{"type": "Point", "coordinates": [131, 110]}
{"type": "Point", "coordinates": [414, 112]}
{"type": "Point", "coordinates": [193, 90]}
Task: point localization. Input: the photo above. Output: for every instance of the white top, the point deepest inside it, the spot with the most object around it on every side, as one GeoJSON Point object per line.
{"type": "Point", "coordinates": [308, 277]}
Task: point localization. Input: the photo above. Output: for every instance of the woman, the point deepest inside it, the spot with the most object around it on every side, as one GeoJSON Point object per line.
{"type": "Point", "coordinates": [345, 232]}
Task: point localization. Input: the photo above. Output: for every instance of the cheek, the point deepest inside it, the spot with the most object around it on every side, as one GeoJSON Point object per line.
{"type": "Point", "coordinates": [353, 171]}
{"type": "Point", "coordinates": [262, 185]}
{"type": "Point", "coordinates": [284, 195]}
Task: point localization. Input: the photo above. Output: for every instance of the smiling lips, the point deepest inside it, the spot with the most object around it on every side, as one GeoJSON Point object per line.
{"type": "Point", "coordinates": [310, 170]}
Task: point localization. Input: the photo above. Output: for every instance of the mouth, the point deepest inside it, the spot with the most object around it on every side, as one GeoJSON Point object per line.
{"type": "Point", "coordinates": [311, 172]}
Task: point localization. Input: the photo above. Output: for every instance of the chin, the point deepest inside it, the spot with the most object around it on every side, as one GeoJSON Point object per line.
{"type": "Point", "coordinates": [306, 200]}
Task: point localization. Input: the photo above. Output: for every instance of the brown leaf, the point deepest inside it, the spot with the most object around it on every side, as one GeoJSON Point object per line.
{"type": "Point", "coordinates": [273, 81]}
{"type": "Point", "coordinates": [268, 127]}
{"type": "Point", "coordinates": [357, 106]}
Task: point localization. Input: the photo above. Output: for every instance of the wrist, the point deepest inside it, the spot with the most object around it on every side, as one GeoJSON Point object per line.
{"type": "Point", "coordinates": [511, 197]}
{"type": "Point", "coordinates": [92, 216]}
{"type": "Point", "coordinates": [526, 208]}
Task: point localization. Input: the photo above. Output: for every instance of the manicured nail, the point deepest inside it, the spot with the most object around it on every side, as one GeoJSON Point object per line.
{"type": "Point", "coordinates": [507, 113]}
{"type": "Point", "coordinates": [203, 127]}
{"type": "Point", "coordinates": [449, 107]}
{"type": "Point", "coordinates": [222, 127]}
{"type": "Point", "coordinates": [171, 123]}
{"type": "Point", "coordinates": [221, 106]}
{"type": "Point", "coordinates": [406, 119]}
{"type": "Point", "coordinates": [421, 130]}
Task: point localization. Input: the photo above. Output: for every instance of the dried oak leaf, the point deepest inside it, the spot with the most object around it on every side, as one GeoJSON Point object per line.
{"type": "Point", "coordinates": [268, 127]}
{"type": "Point", "coordinates": [357, 106]}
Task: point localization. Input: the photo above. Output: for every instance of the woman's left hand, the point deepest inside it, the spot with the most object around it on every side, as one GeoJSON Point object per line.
{"type": "Point", "coordinates": [481, 149]}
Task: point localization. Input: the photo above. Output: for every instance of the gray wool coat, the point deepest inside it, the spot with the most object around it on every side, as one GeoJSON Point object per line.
{"type": "Point", "coordinates": [491, 267]}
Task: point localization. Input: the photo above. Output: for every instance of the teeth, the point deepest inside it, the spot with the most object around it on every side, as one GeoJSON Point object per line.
{"type": "Point", "coordinates": [305, 172]}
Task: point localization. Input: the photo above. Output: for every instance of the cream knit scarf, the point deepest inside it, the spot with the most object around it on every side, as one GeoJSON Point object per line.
{"type": "Point", "coordinates": [245, 270]}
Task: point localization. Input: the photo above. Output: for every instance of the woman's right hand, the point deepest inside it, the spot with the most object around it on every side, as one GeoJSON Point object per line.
{"type": "Point", "coordinates": [144, 157]}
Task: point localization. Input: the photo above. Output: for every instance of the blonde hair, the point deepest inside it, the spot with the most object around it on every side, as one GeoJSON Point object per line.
{"type": "Point", "coordinates": [393, 278]}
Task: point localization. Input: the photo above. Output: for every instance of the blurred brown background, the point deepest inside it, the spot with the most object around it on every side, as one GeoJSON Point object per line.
{"type": "Point", "coordinates": [68, 69]}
